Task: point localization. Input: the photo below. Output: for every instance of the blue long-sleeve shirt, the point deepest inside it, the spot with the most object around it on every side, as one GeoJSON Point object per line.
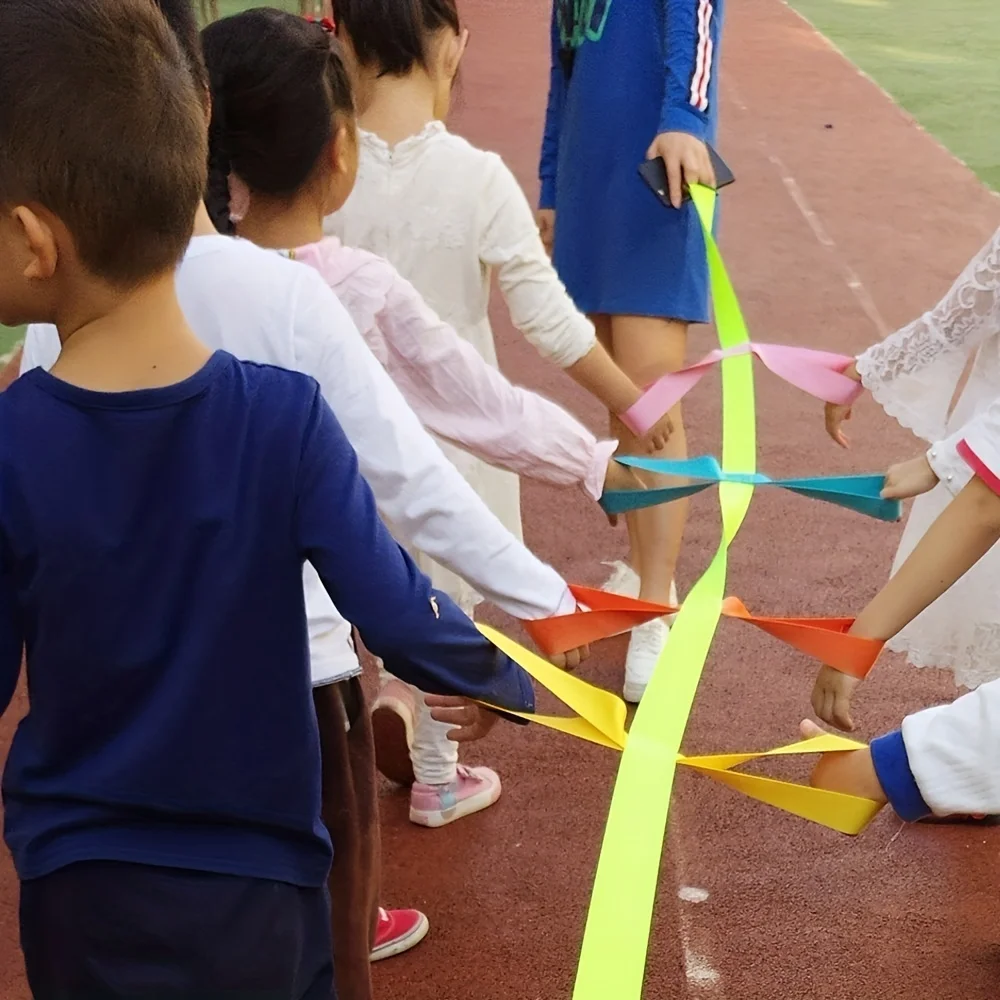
{"type": "Point", "coordinates": [151, 551]}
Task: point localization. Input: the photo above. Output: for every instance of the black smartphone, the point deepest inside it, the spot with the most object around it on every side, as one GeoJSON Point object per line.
{"type": "Point", "coordinates": [654, 173]}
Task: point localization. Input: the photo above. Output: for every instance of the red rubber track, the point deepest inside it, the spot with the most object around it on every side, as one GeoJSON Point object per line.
{"type": "Point", "coordinates": [846, 217]}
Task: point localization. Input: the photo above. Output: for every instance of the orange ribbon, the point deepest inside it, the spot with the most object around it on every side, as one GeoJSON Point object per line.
{"type": "Point", "coordinates": [603, 615]}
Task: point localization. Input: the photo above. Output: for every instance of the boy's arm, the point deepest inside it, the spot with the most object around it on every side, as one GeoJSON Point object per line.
{"type": "Point", "coordinates": [420, 634]}
{"type": "Point", "coordinates": [941, 762]}
{"type": "Point", "coordinates": [11, 637]}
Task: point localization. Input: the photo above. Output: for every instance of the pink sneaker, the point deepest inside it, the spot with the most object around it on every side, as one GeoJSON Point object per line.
{"type": "Point", "coordinates": [474, 789]}
{"type": "Point", "coordinates": [392, 730]}
{"type": "Point", "coordinates": [398, 931]}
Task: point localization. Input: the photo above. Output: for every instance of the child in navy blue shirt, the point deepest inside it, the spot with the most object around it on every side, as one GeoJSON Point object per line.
{"type": "Point", "coordinates": [157, 502]}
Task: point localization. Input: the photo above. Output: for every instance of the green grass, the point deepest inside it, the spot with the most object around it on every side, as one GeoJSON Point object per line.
{"type": "Point", "coordinates": [938, 60]}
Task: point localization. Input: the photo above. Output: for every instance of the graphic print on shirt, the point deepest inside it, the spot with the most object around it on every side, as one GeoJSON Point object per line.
{"type": "Point", "coordinates": [581, 21]}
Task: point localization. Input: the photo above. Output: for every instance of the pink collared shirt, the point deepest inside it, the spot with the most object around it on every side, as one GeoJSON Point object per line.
{"type": "Point", "coordinates": [455, 393]}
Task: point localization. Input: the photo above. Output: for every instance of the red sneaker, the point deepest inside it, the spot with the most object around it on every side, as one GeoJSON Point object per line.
{"type": "Point", "coordinates": [398, 931]}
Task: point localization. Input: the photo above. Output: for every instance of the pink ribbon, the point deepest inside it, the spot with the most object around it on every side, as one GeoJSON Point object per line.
{"type": "Point", "coordinates": [819, 373]}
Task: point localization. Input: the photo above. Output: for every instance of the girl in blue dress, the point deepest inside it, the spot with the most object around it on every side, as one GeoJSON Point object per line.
{"type": "Point", "coordinates": [630, 80]}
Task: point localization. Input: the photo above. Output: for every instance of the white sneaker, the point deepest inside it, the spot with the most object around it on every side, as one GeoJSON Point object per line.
{"type": "Point", "coordinates": [623, 579]}
{"type": "Point", "coordinates": [644, 650]}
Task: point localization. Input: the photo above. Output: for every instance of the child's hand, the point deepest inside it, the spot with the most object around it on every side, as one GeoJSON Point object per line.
{"type": "Point", "coordinates": [831, 697]}
{"type": "Point", "coordinates": [850, 772]}
{"type": "Point", "coordinates": [909, 479]}
{"type": "Point", "coordinates": [656, 438]}
{"type": "Point", "coordinates": [620, 477]}
{"type": "Point", "coordinates": [571, 659]}
{"type": "Point", "coordinates": [836, 415]}
{"type": "Point", "coordinates": [545, 218]}
{"type": "Point", "coordinates": [472, 722]}
{"type": "Point", "coordinates": [687, 162]}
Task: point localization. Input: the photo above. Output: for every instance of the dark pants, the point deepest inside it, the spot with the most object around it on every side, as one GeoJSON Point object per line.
{"type": "Point", "coordinates": [350, 811]}
{"type": "Point", "coordinates": [114, 931]}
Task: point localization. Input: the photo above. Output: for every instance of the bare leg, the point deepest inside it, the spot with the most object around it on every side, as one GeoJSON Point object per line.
{"type": "Point", "coordinates": [646, 348]}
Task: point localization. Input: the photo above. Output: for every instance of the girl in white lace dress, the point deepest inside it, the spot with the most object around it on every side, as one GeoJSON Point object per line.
{"type": "Point", "coordinates": [914, 375]}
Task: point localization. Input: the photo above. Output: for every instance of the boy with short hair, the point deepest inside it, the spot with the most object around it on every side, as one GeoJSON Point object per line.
{"type": "Point", "coordinates": [162, 796]}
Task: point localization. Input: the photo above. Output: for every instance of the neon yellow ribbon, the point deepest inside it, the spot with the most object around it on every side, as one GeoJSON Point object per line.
{"type": "Point", "coordinates": [613, 959]}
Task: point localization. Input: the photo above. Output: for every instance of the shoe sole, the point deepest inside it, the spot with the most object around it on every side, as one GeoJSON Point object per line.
{"type": "Point", "coordinates": [467, 807]}
{"type": "Point", "coordinates": [392, 743]}
{"type": "Point", "coordinates": [632, 693]}
{"type": "Point", "coordinates": [402, 944]}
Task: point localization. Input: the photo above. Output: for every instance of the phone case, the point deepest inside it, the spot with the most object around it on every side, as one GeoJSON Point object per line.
{"type": "Point", "coordinates": [654, 173]}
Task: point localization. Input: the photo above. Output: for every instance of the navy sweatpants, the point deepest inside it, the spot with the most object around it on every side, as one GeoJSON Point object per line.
{"type": "Point", "coordinates": [112, 931]}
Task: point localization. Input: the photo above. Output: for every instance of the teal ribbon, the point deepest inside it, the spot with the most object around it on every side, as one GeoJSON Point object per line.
{"type": "Point", "coordinates": [859, 493]}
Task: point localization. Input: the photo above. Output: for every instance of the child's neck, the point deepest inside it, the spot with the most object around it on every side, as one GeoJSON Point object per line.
{"type": "Point", "coordinates": [138, 340]}
{"type": "Point", "coordinates": [284, 224]}
{"type": "Point", "coordinates": [399, 106]}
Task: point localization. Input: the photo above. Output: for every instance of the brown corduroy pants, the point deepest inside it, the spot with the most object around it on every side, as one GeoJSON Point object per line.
{"type": "Point", "coordinates": [350, 811]}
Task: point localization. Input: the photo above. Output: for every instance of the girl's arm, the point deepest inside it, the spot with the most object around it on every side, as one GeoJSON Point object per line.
{"type": "Point", "coordinates": [539, 304]}
{"type": "Point", "coordinates": [692, 32]}
{"type": "Point", "coordinates": [914, 372]}
{"type": "Point", "coordinates": [430, 506]}
{"type": "Point", "coordinates": [965, 531]}
{"type": "Point", "coordinates": [420, 633]}
{"type": "Point", "coordinates": [549, 165]}
{"type": "Point", "coordinates": [462, 398]}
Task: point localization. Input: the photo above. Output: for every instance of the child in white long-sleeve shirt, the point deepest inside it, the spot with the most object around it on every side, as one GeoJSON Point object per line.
{"type": "Point", "coordinates": [942, 761]}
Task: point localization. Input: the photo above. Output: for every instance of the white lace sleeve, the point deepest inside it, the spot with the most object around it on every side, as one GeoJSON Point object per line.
{"type": "Point", "coordinates": [913, 373]}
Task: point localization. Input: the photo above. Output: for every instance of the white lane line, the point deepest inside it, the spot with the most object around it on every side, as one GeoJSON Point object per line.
{"type": "Point", "coordinates": [702, 976]}
{"type": "Point", "coordinates": [822, 235]}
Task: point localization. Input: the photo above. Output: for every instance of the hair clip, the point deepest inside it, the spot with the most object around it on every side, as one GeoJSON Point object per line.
{"type": "Point", "coordinates": [326, 23]}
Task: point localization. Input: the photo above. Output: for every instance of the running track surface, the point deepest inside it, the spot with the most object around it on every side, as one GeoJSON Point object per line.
{"type": "Point", "coordinates": [846, 221]}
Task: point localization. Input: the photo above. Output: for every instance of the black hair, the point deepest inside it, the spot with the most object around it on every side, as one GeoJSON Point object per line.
{"type": "Point", "coordinates": [100, 123]}
{"type": "Point", "coordinates": [180, 16]}
{"type": "Point", "coordinates": [394, 36]}
{"type": "Point", "coordinates": [277, 81]}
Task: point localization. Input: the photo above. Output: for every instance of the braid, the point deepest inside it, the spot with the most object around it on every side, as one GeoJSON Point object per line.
{"type": "Point", "coordinates": [217, 189]}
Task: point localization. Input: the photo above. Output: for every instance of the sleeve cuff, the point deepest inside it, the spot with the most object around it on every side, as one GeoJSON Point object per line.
{"type": "Point", "coordinates": [892, 766]}
{"type": "Point", "coordinates": [684, 119]}
{"type": "Point", "coordinates": [547, 197]}
{"type": "Point", "coordinates": [593, 485]}
{"type": "Point", "coordinates": [978, 466]}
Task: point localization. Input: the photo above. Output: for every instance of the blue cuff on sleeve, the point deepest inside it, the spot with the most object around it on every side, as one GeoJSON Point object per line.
{"type": "Point", "coordinates": [684, 119]}
{"type": "Point", "coordinates": [547, 198]}
{"type": "Point", "coordinates": [892, 766]}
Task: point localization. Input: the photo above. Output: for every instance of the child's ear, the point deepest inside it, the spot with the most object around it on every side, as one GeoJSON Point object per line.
{"type": "Point", "coordinates": [454, 51]}
{"type": "Point", "coordinates": [39, 243]}
{"type": "Point", "coordinates": [342, 150]}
